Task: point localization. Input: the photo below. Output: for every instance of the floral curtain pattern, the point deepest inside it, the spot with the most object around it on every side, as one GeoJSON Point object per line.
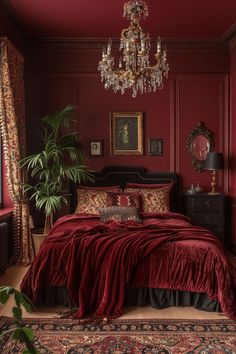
{"type": "Point", "coordinates": [12, 121]}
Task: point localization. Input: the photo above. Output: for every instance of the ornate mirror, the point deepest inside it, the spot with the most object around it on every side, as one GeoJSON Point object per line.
{"type": "Point", "coordinates": [200, 142]}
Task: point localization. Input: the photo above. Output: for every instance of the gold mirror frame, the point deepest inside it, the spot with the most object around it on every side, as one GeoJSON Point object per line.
{"type": "Point", "coordinates": [200, 142]}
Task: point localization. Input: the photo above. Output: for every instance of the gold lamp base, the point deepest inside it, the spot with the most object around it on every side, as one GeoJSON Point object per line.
{"type": "Point", "coordinates": [213, 193]}
{"type": "Point", "coordinates": [213, 184]}
{"type": "Point", "coordinates": [214, 161]}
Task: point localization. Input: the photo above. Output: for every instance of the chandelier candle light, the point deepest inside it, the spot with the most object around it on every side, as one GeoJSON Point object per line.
{"type": "Point", "coordinates": [134, 71]}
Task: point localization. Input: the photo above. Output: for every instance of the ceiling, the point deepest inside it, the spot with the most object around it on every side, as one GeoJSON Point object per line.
{"type": "Point", "coordinates": [104, 18]}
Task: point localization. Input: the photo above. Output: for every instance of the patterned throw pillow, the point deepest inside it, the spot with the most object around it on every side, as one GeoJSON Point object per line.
{"type": "Point", "coordinates": [90, 200]}
{"type": "Point", "coordinates": [154, 199]}
{"type": "Point", "coordinates": [119, 213]}
{"type": "Point", "coordinates": [123, 199]}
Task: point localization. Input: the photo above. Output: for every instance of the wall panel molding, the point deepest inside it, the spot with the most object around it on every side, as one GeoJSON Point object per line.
{"type": "Point", "coordinates": [44, 68]}
{"type": "Point", "coordinates": [83, 55]}
{"type": "Point", "coordinates": [233, 224]}
{"type": "Point", "coordinates": [174, 126]}
{"type": "Point", "coordinates": [224, 131]}
{"type": "Point", "coordinates": [232, 191]}
{"type": "Point", "coordinates": [94, 43]}
{"type": "Point", "coordinates": [64, 74]}
{"type": "Point", "coordinates": [225, 122]}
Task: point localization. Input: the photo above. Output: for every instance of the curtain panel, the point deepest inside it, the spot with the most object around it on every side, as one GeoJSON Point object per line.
{"type": "Point", "coordinates": [12, 121]}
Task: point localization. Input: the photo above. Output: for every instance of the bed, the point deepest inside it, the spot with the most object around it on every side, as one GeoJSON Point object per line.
{"type": "Point", "coordinates": [133, 248]}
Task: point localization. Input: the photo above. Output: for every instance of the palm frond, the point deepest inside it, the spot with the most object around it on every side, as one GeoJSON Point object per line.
{"type": "Point", "coordinates": [59, 118]}
{"type": "Point", "coordinates": [78, 173]}
{"type": "Point", "coordinates": [60, 159]}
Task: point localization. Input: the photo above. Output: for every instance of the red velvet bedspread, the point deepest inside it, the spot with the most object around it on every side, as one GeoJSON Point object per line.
{"type": "Point", "coordinates": [95, 261]}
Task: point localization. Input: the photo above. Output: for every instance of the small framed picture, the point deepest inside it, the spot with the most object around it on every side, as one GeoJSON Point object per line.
{"type": "Point", "coordinates": [96, 147]}
{"type": "Point", "coordinates": [155, 147]}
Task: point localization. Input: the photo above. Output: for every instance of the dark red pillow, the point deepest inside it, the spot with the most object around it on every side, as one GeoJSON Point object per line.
{"type": "Point", "coordinates": [123, 199]}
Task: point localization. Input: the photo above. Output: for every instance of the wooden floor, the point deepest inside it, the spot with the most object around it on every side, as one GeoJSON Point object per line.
{"type": "Point", "coordinates": [14, 275]}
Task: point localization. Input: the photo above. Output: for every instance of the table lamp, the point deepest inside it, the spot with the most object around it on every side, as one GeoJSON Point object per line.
{"type": "Point", "coordinates": [214, 161]}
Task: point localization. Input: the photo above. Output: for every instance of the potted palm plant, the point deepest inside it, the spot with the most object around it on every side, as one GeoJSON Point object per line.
{"type": "Point", "coordinates": [60, 159]}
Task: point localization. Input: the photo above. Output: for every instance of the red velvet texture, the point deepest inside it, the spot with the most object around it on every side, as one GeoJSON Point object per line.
{"type": "Point", "coordinates": [95, 260]}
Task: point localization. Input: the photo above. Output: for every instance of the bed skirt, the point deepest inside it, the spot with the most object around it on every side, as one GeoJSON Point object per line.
{"type": "Point", "coordinates": [157, 298]}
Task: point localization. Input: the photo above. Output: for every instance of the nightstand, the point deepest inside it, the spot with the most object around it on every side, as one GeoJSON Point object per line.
{"type": "Point", "coordinates": [207, 210]}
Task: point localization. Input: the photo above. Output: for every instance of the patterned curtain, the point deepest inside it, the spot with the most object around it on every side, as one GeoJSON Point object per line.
{"type": "Point", "coordinates": [12, 121]}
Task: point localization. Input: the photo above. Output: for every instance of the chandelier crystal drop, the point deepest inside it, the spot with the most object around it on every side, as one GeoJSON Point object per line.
{"type": "Point", "coordinates": [134, 70]}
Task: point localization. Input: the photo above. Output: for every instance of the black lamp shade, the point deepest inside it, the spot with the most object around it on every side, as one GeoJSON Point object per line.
{"type": "Point", "coordinates": [214, 161]}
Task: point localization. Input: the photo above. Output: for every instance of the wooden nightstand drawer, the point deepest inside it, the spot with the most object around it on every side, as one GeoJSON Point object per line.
{"type": "Point", "coordinates": [207, 211]}
{"type": "Point", "coordinates": [207, 219]}
{"type": "Point", "coordinates": [207, 204]}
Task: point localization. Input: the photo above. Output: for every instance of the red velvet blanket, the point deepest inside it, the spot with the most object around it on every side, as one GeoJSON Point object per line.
{"type": "Point", "coordinates": [95, 261]}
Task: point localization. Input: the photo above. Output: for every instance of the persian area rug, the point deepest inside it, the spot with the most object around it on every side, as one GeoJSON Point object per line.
{"type": "Point", "coordinates": [126, 336]}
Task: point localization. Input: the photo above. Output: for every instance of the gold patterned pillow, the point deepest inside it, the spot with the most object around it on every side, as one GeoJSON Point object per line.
{"type": "Point", "coordinates": [91, 199]}
{"type": "Point", "coordinates": [154, 200]}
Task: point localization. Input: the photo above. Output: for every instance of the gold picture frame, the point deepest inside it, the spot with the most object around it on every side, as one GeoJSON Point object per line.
{"type": "Point", "coordinates": [126, 133]}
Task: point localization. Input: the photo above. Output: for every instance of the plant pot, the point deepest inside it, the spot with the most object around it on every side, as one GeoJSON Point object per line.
{"type": "Point", "coordinates": [38, 237]}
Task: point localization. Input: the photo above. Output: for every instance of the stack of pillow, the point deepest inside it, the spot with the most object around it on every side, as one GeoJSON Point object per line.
{"type": "Point", "coordinates": [111, 203]}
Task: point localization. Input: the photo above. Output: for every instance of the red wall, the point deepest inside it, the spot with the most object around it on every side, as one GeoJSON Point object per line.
{"type": "Point", "coordinates": [9, 29]}
{"type": "Point", "coordinates": [58, 74]}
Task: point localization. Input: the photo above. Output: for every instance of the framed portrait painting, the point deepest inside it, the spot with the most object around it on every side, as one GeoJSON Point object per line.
{"type": "Point", "coordinates": [126, 133]}
{"type": "Point", "coordinates": [96, 147]}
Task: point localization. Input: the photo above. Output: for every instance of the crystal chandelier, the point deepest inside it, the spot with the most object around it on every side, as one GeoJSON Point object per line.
{"type": "Point", "coordinates": [134, 71]}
